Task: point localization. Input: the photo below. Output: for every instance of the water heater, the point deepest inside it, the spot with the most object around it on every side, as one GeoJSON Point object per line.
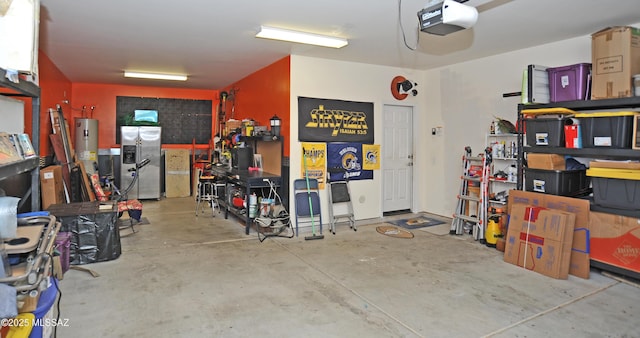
{"type": "Point", "coordinates": [87, 143]}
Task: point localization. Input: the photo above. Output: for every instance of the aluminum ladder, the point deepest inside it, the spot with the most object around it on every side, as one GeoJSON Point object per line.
{"type": "Point", "coordinates": [474, 224]}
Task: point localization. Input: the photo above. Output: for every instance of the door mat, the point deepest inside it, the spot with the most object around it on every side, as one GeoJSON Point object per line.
{"type": "Point", "coordinates": [393, 231]}
{"type": "Point", "coordinates": [416, 222]}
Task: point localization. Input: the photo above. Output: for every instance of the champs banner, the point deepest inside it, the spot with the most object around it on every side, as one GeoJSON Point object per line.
{"type": "Point", "coordinates": [322, 120]}
{"type": "Point", "coordinates": [347, 156]}
{"type": "Point", "coordinates": [315, 155]}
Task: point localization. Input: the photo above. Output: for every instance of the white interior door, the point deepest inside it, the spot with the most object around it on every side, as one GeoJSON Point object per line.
{"type": "Point", "coordinates": [397, 154]}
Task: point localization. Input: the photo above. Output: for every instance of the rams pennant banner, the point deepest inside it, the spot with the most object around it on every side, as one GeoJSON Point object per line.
{"type": "Point", "coordinates": [347, 156]}
{"type": "Point", "coordinates": [371, 156]}
{"type": "Point", "coordinates": [322, 120]}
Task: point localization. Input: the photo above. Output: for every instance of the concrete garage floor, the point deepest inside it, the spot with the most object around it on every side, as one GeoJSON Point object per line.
{"type": "Point", "coordinates": [187, 276]}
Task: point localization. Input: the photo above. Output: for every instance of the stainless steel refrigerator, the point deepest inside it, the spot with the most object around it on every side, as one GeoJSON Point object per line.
{"type": "Point", "coordinates": [137, 144]}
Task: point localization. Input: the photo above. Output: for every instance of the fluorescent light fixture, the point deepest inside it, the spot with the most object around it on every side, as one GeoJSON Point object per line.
{"type": "Point", "coordinates": [156, 76]}
{"type": "Point", "coordinates": [301, 37]}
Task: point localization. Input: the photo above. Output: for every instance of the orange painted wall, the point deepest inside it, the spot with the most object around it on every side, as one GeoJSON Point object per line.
{"type": "Point", "coordinates": [54, 88]}
{"type": "Point", "coordinates": [263, 94]}
{"type": "Point", "coordinates": [258, 96]}
{"type": "Point", "coordinates": [103, 98]}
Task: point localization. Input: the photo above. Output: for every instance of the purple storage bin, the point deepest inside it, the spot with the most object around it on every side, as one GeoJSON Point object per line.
{"type": "Point", "coordinates": [63, 244]}
{"type": "Point", "coordinates": [569, 83]}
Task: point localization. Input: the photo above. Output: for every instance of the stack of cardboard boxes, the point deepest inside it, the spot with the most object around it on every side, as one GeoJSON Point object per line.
{"type": "Point", "coordinates": [548, 234]}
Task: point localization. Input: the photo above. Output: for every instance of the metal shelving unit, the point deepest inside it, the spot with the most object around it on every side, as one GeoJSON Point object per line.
{"type": "Point", "coordinates": [25, 89]}
{"type": "Point", "coordinates": [585, 106]}
{"type": "Point", "coordinates": [501, 163]}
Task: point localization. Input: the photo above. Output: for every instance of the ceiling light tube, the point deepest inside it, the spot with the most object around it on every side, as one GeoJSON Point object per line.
{"type": "Point", "coordinates": [155, 76]}
{"type": "Point", "coordinates": [301, 37]}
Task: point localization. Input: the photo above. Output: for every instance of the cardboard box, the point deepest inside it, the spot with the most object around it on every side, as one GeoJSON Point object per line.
{"type": "Point", "coordinates": [232, 125]}
{"type": "Point", "coordinates": [51, 186]}
{"type": "Point", "coordinates": [580, 264]}
{"type": "Point", "coordinates": [57, 268]}
{"type": "Point", "coordinates": [615, 58]}
{"type": "Point", "coordinates": [615, 164]}
{"type": "Point", "coordinates": [539, 239]}
{"type": "Point", "coordinates": [545, 161]}
{"type": "Point", "coordinates": [615, 240]}
{"type": "Point", "coordinates": [28, 302]}
{"type": "Point", "coordinates": [573, 136]}
{"type": "Point", "coordinates": [177, 173]}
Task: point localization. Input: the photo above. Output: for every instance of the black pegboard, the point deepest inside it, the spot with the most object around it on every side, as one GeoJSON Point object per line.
{"type": "Point", "coordinates": [181, 120]}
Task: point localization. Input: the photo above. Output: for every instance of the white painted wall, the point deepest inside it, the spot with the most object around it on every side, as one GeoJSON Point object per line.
{"type": "Point", "coordinates": [462, 99]}
{"type": "Point", "coordinates": [469, 95]}
{"type": "Point", "coordinates": [327, 79]}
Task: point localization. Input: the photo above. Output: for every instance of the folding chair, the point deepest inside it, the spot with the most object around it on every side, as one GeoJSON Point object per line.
{"type": "Point", "coordinates": [340, 208]}
{"type": "Point", "coordinates": [303, 209]}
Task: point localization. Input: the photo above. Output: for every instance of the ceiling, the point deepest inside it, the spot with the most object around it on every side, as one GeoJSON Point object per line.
{"type": "Point", "coordinates": [213, 41]}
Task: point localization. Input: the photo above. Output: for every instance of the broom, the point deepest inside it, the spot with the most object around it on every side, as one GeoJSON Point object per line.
{"type": "Point", "coordinates": [313, 223]}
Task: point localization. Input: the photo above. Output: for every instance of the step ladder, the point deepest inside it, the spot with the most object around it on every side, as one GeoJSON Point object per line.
{"type": "Point", "coordinates": [339, 196]}
{"type": "Point", "coordinates": [474, 224]}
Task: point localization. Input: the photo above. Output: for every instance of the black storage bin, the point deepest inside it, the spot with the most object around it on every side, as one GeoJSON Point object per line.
{"type": "Point", "coordinates": [616, 188]}
{"type": "Point", "coordinates": [615, 193]}
{"type": "Point", "coordinates": [611, 130]}
{"type": "Point", "coordinates": [546, 132]}
{"type": "Point", "coordinates": [557, 182]}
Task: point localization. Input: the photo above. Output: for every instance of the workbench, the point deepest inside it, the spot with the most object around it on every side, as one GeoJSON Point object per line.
{"type": "Point", "coordinates": [249, 181]}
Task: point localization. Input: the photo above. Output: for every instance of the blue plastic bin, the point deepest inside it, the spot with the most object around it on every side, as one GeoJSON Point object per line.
{"type": "Point", "coordinates": [45, 302]}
